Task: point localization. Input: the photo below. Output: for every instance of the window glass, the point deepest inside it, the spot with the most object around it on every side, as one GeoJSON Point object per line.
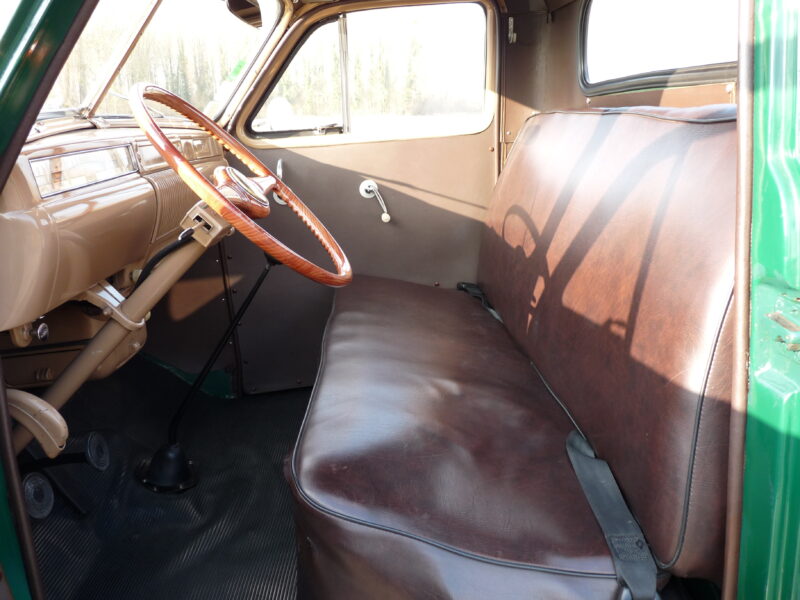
{"type": "Point", "coordinates": [631, 37]}
{"type": "Point", "coordinates": [195, 49]}
{"type": "Point", "coordinates": [308, 95]}
{"type": "Point", "coordinates": [7, 11]}
{"type": "Point", "coordinates": [408, 71]}
{"type": "Point", "coordinates": [109, 27]}
{"type": "Point", "coordinates": [417, 66]}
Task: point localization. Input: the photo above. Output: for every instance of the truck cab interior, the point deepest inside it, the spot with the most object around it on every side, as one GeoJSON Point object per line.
{"type": "Point", "coordinates": [373, 299]}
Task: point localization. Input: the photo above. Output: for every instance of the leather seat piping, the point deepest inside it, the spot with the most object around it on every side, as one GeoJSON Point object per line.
{"type": "Point", "coordinates": [695, 433]}
{"type": "Point", "coordinates": [688, 491]}
{"type": "Point", "coordinates": [600, 112]}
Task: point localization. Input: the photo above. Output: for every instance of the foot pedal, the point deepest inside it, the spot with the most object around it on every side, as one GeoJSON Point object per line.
{"type": "Point", "coordinates": [91, 450]}
{"type": "Point", "coordinates": [39, 496]}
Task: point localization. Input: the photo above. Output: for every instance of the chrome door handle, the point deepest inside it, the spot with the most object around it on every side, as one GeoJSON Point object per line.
{"type": "Point", "coordinates": [279, 173]}
{"type": "Point", "coordinates": [369, 189]}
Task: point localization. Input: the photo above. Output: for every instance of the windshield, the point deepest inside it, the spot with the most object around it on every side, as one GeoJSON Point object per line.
{"type": "Point", "coordinates": [196, 49]}
{"type": "Point", "coordinates": [6, 12]}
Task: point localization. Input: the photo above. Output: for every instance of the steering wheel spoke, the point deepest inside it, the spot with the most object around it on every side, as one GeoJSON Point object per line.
{"type": "Point", "coordinates": [237, 198]}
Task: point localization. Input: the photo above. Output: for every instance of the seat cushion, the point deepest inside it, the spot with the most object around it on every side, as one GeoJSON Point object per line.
{"type": "Point", "coordinates": [432, 458]}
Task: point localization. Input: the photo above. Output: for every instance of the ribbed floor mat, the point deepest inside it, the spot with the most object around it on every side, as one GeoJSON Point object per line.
{"type": "Point", "coordinates": [230, 537]}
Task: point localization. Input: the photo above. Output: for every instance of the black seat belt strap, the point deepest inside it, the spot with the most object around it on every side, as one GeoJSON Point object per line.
{"type": "Point", "coordinates": [633, 561]}
{"type": "Point", "coordinates": [476, 292]}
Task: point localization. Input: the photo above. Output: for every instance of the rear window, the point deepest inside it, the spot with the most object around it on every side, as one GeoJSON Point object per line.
{"type": "Point", "coordinates": [637, 44]}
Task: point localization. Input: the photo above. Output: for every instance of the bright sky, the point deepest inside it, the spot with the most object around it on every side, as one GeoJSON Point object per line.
{"type": "Point", "coordinates": [6, 12]}
{"type": "Point", "coordinates": [626, 37]}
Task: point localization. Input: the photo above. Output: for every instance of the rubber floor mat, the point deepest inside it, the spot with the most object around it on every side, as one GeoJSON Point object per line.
{"type": "Point", "coordinates": [230, 537]}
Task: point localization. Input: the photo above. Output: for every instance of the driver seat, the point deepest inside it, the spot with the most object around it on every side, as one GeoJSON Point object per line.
{"type": "Point", "coordinates": [432, 461]}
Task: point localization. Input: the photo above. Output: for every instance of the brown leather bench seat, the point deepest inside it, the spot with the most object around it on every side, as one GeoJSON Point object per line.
{"type": "Point", "coordinates": [432, 460]}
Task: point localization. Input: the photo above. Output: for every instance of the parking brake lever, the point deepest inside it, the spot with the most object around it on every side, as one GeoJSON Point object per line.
{"type": "Point", "coordinates": [369, 189]}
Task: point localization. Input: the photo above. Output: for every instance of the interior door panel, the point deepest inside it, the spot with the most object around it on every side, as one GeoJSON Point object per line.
{"type": "Point", "coordinates": [436, 191]}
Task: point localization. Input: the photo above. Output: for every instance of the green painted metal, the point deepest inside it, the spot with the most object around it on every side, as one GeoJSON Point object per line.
{"type": "Point", "coordinates": [218, 383]}
{"type": "Point", "coordinates": [770, 542]}
{"type": "Point", "coordinates": [10, 554]}
{"type": "Point", "coordinates": [34, 35]}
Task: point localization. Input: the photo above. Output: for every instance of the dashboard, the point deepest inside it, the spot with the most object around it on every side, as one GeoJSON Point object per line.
{"type": "Point", "coordinates": [80, 208]}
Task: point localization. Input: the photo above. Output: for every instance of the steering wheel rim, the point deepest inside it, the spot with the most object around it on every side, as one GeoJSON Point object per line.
{"type": "Point", "coordinates": [226, 207]}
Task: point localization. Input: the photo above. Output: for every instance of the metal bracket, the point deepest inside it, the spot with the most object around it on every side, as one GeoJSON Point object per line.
{"type": "Point", "coordinates": [512, 35]}
{"type": "Point", "coordinates": [208, 226]}
{"type": "Point", "coordinates": [279, 173]}
{"type": "Point", "coordinates": [791, 335]}
{"type": "Point", "coordinates": [106, 297]}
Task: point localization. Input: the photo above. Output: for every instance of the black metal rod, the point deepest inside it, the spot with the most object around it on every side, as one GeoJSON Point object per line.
{"type": "Point", "coordinates": [198, 382]}
{"type": "Point", "coordinates": [184, 238]}
{"type": "Point", "coordinates": [65, 458]}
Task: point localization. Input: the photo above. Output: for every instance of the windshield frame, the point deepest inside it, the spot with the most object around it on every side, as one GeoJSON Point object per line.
{"type": "Point", "coordinates": [114, 66]}
{"type": "Point", "coordinates": [85, 116]}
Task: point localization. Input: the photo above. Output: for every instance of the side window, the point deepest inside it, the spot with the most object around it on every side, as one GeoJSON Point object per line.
{"type": "Point", "coordinates": [389, 72]}
{"type": "Point", "coordinates": [636, 44]}
{"type": "Point", "coordinates": [308, 95]}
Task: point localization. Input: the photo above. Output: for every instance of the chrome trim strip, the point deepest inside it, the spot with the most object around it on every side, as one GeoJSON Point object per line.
{"type": "Point", "coordinates": [131, 156]}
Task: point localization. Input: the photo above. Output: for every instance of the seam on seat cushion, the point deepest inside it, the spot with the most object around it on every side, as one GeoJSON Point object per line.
{"type": "Point", "coordinates": [695, 434]}
{"type": "Point", "coordinates": [638, 113]}
{"type": "Point", "coordinates": [555, 397]}
{"type": "Point", "coordinates": [447, 547]}
{"type": "Point", "coordinates": [471, 555]}
{"type": "Point", "coordinates": [698, 417]}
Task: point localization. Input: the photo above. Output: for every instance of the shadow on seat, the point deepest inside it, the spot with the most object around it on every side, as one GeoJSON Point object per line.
{"type": "Point", "coordinates": [432, 461]}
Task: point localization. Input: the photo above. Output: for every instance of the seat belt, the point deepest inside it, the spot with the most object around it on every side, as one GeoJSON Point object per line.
{"type": "Point", "coordinates": [476, 292]}
{"type": "Point", "coordinates": [633, 562]}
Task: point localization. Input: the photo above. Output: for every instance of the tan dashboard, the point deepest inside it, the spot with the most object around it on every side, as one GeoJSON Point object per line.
{"type": "Point", "coordinates": [80, 208]}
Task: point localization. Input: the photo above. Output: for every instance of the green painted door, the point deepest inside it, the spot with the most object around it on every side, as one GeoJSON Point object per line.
{"type": "Point", "coordinates": [770, 542]}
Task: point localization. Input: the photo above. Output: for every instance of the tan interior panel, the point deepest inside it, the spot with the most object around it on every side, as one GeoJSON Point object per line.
{"type": "Point", "coordinates": [57, 244]}
{"type": "Point", "coordinates": [435, 189]}
{"type": "Point", "coordinates": [92, 229]}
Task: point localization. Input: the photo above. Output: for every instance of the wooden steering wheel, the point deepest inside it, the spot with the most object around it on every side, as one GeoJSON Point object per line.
{"type": "Point", "coordinates": [237, 198]}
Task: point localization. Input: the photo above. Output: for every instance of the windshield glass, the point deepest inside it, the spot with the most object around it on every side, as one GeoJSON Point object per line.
{"type": "Point", "coordinates": [196, 49]}
{"type": "Point", "coordinates": [6, 12]}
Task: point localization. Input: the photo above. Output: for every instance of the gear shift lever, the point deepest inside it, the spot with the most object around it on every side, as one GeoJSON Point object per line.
{"type": "Point", "coordinates": [170, 469]}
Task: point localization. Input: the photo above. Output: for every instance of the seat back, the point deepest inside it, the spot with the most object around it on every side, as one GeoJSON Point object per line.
{"type": "Point", "coordinates": [609, 254]}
